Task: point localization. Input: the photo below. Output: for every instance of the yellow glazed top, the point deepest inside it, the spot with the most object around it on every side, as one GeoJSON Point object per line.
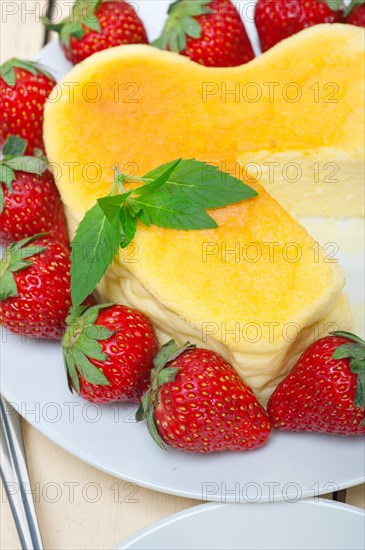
{"type": "Point", "coordinates": [117, 114]}
{"type": "Point", "coordinates": [140, 106]}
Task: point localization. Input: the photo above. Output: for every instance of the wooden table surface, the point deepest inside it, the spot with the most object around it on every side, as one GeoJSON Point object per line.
{"type": "Point", "coordinates": [67, 516]}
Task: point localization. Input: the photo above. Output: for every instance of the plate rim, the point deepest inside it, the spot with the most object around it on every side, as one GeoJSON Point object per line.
{"type": "Point", "coordinates": [125, 544]}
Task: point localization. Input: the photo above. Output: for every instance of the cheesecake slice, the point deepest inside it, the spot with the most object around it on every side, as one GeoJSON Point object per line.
{"type": "Point", "coordinates": [258, 289]}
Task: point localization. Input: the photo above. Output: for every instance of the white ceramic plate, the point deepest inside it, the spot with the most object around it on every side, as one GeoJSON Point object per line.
{"type": "Point", "coordinates": [290, 466]}
{"type": "Point", "coordinates": [307, 524]}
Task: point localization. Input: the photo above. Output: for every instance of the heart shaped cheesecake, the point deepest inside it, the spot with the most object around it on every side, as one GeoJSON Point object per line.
{"type": "Point", "coordinates": [257, 289]}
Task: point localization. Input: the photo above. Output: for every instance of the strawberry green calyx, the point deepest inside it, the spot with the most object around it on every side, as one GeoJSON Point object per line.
{"type": "Point", "coordinates": [160, 375]}
{"type": "Point", "coordinates": [8, 73]}
{"type": "Point", "coordinates": [355, 352]}
{"type": "Point", "coordinates": [15, 259]}
{"type": "Point", "coordinates": [353, 4]}
{"type": "Point", "coordinates": [14, 160]}
{"type": "Point", "coordinates": [82, 18]}
{"type": "Point", "coordinates": [181, 23]}
{"type": "Point", "coordinates": [335, 5]}
{"type": "Point", "coordinates": [80, 343]}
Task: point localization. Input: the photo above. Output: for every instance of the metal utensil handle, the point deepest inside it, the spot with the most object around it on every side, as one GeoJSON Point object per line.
{"type": "Point", "coordinates": [17, 510]}
{"type": "Point", "coordinates": [30, 535]}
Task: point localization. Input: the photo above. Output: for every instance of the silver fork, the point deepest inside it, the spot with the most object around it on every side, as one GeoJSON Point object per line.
{"type": "Point", "coordinates": [14, 473]}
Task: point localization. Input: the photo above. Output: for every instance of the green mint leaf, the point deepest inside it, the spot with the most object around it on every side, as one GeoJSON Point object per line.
{"type": "Point", "coordinates": [203, 184]}
{"type": "Point", "coordinates": [129, 226]}
{"type": "Point", "coordinates": [111, 204]}
{"type": "Point", "coordinates": [166, 210]}
{"type": "Point", "coordinates": [157, 178]}
{"type": "Point", "coordinates": [95, 244]}
{"type": "Point", "coordinates": [32, 165]}
{"type": "Point", "coordinates": [14, 146]}
{"type": "Point", "coordinates": [175, 195]}
{"type": "Point", "coordinates": [133, 207]}
{"type": "Point", "coordinates": [2, 199]}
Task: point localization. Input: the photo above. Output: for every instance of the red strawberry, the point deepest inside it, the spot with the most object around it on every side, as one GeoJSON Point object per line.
{"type": "Point", "coordinates": [198, 403]}
{"type": "Point", "coordinates": [97, 25]}
{"type": "Point", "coordinates": [356, 13]}
{"type": "Point", "coordinates": [209, 32]}
{"type": "Point", "coordinates": [325, 391]}
{"type": "Point", "coordinates": [35, 288]}
{"type": "Point", "coordinates": [109, 352]}
{"type": "Point", "coordinates": [29, 200]}
{"type": "Point", "coordinates": [24, 88]}
{"type": "Point", "coordinates": [278, 19]}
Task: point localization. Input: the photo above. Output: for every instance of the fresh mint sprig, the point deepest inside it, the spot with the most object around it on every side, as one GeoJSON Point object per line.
{"type": "Point", "coordinates": [175, 195]}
